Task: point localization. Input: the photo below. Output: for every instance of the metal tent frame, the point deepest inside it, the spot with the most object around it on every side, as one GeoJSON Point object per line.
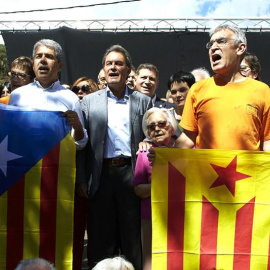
{"type": "Point", "coordinates": [140, 25]}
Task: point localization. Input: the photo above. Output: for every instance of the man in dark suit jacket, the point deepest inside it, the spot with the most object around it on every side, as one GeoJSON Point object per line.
{"type": "Point", "coordinates": [147, 80]}
{"type": "Point", "coordinates": [113, 118]}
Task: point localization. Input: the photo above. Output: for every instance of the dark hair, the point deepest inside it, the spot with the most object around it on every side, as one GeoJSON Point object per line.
{"type": "Point", "coordinates": [148, 66]}
{"type": "Point", "coordinates": [181, 76]}
{"type": "Point", "coordinates": [24, 63]}
{"type": "Point", "coordinates": [3, 85]}
{"type": "Point", "coordinates": [133, 68]}
{"type": "Point", "coordinates": [119, 49]}
{"type": "Point", "coordinates": [253, 62]}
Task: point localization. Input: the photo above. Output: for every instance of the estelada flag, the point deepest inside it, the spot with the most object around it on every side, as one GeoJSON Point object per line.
{"type": "Point", "coordinates": [37, 175]}
{"type": "Point", "coordinates": [210, 209]}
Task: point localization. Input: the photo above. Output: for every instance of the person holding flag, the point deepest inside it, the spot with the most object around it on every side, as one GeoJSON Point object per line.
{"type": "Point", "coordinates": [47, 93]}
{"type": "Point", "coordinates": [228, 110]}
{"type": "Point", "coordinates": [45, 154]}
{"type": "Point", "coordinates": [205, 217]}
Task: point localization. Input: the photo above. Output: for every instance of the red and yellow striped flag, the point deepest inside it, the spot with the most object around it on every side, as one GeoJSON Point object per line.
{"type": "Point", "coordinates": [36, 210]}
{"type": "Point", "coordinates": [211, 209]}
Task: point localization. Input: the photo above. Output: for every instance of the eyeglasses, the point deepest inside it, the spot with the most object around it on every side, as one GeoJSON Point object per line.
{"type": "Point", "coordinates": [182, 90]}
{"type": "Point", "coordinates": [161, 124]}
{"type": "Point", "coordinates": [85, 88]}
{"type": "Point", "coordinates": [244, 69]}
{"type": "Point", "coordinates": [21, 76]}
{"type": "Point", "coordinates": [220, 41]}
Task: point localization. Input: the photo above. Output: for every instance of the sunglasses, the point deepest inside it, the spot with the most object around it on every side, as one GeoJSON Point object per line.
{"type": "Point", "coordinates": [161, 124]}
{"type": "Point", "coordinates": [85, 88]}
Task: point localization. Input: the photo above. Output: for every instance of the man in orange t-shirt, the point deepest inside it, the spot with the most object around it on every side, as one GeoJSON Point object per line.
{"type": "Point", "coordinates": [228, 110]}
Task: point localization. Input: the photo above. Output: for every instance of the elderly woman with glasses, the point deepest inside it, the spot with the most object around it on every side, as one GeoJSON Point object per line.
{"type": "Point", "coordinates": [84, 86]}
{"type": "Point", "coordinates": [159, 125]}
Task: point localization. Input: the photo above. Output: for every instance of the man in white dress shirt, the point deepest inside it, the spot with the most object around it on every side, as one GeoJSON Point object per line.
{"type": "Point", "coordinates": [46, 92]}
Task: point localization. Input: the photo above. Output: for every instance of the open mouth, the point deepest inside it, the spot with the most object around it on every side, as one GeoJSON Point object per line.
{"type": "Point", "coordinates": [216, 58]}
{"type": "Point", "coordinates": [113, 75]}
{"type": "Point", "coordinates": [43, 68]}
{"type": "Point", "coordinates": [146, 88]}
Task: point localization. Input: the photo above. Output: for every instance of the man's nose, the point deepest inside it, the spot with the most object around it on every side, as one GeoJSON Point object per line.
{"type": "Point", "coordinates": [113, 66]}
{"type": "Point", "coordinates": [43, 58]}
{"type": "Point", "coordinates": [147, 80]}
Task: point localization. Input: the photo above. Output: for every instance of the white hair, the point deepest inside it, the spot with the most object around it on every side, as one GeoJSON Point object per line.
{"type": "Point", "coordinates": [38, 262]}
{"type": "Point", "coordinates": [117, 263]}
{"type": "Point", "coordinates": [169, 117]}
{"type": "Point", "coordinates": [201, 71]}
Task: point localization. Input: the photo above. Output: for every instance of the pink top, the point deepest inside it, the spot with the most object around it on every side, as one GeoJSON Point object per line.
{"type": "Point", "coordinates": [142, 175]}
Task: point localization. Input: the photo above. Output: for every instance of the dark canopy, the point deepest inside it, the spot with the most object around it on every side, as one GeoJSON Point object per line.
{"type": "Point", "coordinates": [169, 51]}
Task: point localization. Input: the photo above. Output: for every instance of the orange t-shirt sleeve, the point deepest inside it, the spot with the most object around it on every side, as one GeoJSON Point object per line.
{"type": "Point", "coordinates": [266, 116]}
{"type": "Point", "coordinates": [188, 120]}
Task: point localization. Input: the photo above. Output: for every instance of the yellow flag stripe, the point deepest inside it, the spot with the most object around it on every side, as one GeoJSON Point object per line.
{"type": "Point", "coordinates": [160, 215]}
{"type": "Point", "coordinates": [195, 165]}
{"type": "Point", "coordinates": [65, 204]}
{"type": "Point", "coordinates": [32, 212]}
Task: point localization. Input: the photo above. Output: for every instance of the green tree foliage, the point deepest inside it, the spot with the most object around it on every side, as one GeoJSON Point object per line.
{"type": "Point", "coordinates": [3, 62]}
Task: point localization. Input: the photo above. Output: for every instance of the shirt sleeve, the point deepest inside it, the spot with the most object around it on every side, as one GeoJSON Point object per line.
{"type": "Point", "coordinates": [81, 143]}
{"type": "Point", "coordinates": [141, 173]}
{"type": "Point", "coordinates": [266, 116]}
{"type": "Point", "coordinates": [188, 120]}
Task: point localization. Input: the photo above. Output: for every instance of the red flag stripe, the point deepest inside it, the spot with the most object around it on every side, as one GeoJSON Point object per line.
{"type": "Point", "coordinates": [209, 232]}
{"type": "Point", "coordinates": [15, 221]}
{"type": "Point", "coordinates": [175, 226]}
{"type": "Point", "coordinates": [243, 236]}
{"type": "Point", "coordinates": [48, 203]}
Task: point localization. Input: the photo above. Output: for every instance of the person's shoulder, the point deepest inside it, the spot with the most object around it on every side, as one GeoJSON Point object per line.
{"type": "Point", "coordinates": [23, 88]}
{"type": "Point", "coordinates": [164, 104]}
{"type": "Point", "coordinates": [139, 95]}
{"type": "Point", "coordinates": [257, 83]}
{"type": "Point", "coordinates": [203, 82]}
{"type": "Point", "coordinates": [5, 100]}
{"type": "Point", "coordinates": [96, 94]}
{"type": "Point", "coordinates": [202, 85]}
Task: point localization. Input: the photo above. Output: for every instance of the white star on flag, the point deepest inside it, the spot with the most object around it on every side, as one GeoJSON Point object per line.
{"type": "Point", "coordinates": [6, 156]}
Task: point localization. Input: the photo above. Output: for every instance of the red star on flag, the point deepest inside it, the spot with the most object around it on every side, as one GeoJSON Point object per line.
{"type": "Point", "coordinates": [228, 176]}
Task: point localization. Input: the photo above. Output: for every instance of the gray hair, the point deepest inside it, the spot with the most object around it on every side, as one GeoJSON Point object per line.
{"type": "Point", "coordinates": [119, 49]}
{"type": "Point", "coordinates": [42, 263]}
{"type": "Point", "coordinates": [117, 263]}
{"type": "Point", "coordinates": [240, 36]}
{"type": "Point", "coordinates": [51, 44]}
{"type": "Point", "coordinates": [202, 71]}
{"type": "Point", "coordinates": [169, 116]}
{"type": "Point", "coordinates": [148, 66]}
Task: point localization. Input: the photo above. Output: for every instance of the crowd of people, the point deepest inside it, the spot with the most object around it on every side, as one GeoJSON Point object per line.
{"type": "Point", "coordinates": [113, 116]}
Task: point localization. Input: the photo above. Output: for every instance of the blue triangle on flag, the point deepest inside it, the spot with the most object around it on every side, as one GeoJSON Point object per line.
{"type": "Point", "coordinates": [26, 136]}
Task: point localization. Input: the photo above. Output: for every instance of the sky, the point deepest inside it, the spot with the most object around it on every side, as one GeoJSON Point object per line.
{"type": "Point", "coordinates": [144, 9]}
